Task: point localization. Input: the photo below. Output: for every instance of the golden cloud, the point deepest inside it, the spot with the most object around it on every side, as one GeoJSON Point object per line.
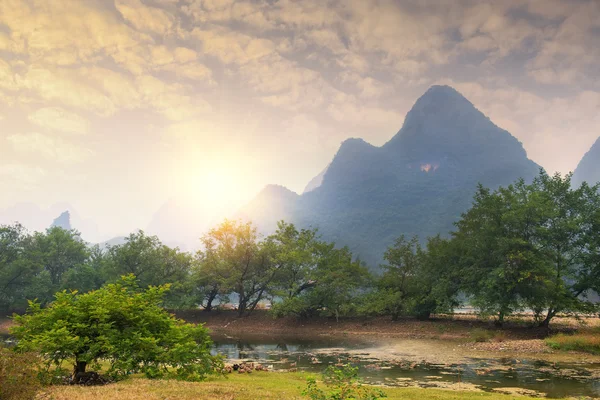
{"type": "Point", "coordinates": [60, 120]}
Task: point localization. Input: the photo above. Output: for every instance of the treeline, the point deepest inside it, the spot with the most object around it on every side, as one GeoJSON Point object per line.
{"type": "Point", "coordinates": [529, 247]}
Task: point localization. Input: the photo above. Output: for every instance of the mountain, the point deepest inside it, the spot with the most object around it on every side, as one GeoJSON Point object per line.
{"type": "Point", "coordinates": [588, 169]}
{"type": "Point", "coordinates": [418, 183]}
{"type": "Point", "coordinates": [36, 218]}
{"type": "Point", "coordinates": [316, 181]}
{"type": "Point", "coordinates": [63, 221]}
{"type": "Point", "coordinates": [281, 204]}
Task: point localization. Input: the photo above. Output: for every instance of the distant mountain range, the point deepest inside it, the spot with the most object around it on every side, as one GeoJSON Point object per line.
{"type": "Point", "coordinates": [418, 183]}
{"type": "Point", "coordinates": [588, 169]}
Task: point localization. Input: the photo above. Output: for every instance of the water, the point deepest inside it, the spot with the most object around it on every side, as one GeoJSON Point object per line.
{"type": "Point", "coordinates": [545, 378]}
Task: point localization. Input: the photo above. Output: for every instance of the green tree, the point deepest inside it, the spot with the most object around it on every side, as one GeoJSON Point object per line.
{"type": "Point", "coordinates": [494, 262]}
{"type": "Point", "coordinates": [294, 251]}
{"type": "Point", "coordinates": [568, 240]}
{"type": "Point", "coordinates": [531, 245]}
{"type": "Point", "coordinates": [239, 263]}
{"type": "Point", "coordinates": [415, 281]}
{"type": "Point", "coordinates": [88, 276]}
{"type": "Point", "coordinates": [59, 250]}
{"type": "Point", "coordinates": [211, 273]}
{"type": "Point", "coordinates": [332, 285]}
{"type": "Point", "coordinates": [398, 287]}
{"type": "Point", "coordinates": [153, 263]}
{"type": "Point", "coordinates": [17, 270]}
{"type": "Point", "coordinates": [119, 324]}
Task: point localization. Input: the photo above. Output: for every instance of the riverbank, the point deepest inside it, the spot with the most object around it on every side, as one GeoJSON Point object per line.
{"type": "Point", "coordinates": [259, 385]}
{"type": "Point", "coordinates": [444, 326]}
{"type": "Point", "coordinates": [463, 333]}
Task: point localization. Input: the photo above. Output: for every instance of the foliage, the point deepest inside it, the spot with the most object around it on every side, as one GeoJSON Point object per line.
{"type": "Point", "coordinates": [415, 281]}
{"type": "Point", "coordinates": [330, 284]}
{"type": "Point", "coordinates": [236, 261]}
{"type": "Point", "coordinates": [17, 271]}
{"type": "Point", "coordinates": [342, 384]}
{"type": "Point", "coordinates": [531, 246]}
{"type": "Point", "coordinates": [18, 375]}
{"type": "Point", "coordinates": [153, 263]}
{"type": "Point", "coordinates": [119, 324]}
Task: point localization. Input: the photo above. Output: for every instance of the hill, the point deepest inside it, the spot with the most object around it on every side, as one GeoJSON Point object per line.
{"type": "Point", "coordinates": [418, 183]}
{"type": "Point", "coordinates": [588, 169]}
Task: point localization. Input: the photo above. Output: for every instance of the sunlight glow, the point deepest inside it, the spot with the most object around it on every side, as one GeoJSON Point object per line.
{"type": "Point", "coordinates": [215, 189]}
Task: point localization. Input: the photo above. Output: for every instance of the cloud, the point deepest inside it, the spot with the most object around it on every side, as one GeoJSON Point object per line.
{"type": "Point", "coordinates": [21, 176]}
{"type": "Point", "coordinates": [61, 120]}
{"type": "Point", "coordinates": [146, 18]}
{"type": "Point", "coordinates": [49, 147]}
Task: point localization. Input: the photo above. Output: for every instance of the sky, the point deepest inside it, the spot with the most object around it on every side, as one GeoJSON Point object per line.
{"type": "Point", "coordinates": [115, 107]}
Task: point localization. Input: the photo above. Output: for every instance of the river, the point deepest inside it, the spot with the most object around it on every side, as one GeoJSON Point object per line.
{"type": "Point", "coordinates": [422, 363]}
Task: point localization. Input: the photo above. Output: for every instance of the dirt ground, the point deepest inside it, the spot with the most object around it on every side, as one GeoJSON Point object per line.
{"type": "Point", "coordinates": [459, 326]}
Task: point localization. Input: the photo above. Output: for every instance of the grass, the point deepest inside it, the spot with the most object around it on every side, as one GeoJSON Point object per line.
{"type": "Point", "coordinates": [587, 341]}
{"type": "Point", "coordinates": [484, 335]}
{"type": "Point", "coordinates": [258, 385]}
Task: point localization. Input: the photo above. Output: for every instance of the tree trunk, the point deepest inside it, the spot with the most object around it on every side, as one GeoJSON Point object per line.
{"type": "Point", "coordinates": [500, 321]}
{"type": "Point", "coordinates": [546, 322]}
{"type": "Point", "coordinates": [79, 371]}
{"type": "Point", "coordinates": [211, 297]}
{"type": "Point", "coordinates": [242, 307]}
{"type": "Point", "coordinates": [80, 367]}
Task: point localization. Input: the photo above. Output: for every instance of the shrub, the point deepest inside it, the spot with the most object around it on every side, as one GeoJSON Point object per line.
{"type": "Point", "coordinates": [481, 335]}
{"type": "Point", "coordinates": [18, 375]}
{"type": "Point", "coordinates": [588, 342]}
{"type": "Point", "coordinates": [342, 384]}
{"type": "Point", "coordinates": [121, 325]}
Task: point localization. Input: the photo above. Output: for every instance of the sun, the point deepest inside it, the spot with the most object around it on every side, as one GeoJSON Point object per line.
{"type": "Point", "coordinates": [215, 189]}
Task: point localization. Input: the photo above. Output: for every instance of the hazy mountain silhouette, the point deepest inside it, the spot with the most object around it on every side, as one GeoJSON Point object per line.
{"type": "Point", "coordinates": [315, 182]}
{"type": "Point", "coordinates": [36, 218]}
{"type": "Point", "coordinates": [588, 169]}
{"type": "Point", "coordinates": [418, 183]}
{"type": "Point", "coordinates": [63, 221]}
{"type": "Point", "coordinates": [281, 203]}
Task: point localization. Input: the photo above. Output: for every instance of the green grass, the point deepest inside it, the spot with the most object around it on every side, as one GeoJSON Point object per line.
{"type": "Point", "coordinates": [258, 385]}
{"type": "Point", "coordinates": [585, 341]}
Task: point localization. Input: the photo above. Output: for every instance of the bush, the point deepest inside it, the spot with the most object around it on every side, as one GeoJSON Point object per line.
{"type": "Point", "coordinates": [481, 335]}
{"type": "Point", "coordinates": [342, 384]}
{"type": "Point", "coordinates": [588, 342]}
{"type": "Point", "coordinates": [18, 375]}
{"type": "Point", "coordinates": [121, 325]}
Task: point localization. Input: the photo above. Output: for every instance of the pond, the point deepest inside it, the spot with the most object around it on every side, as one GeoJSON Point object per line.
{"type": "Point", "coordinates": [417, 363]}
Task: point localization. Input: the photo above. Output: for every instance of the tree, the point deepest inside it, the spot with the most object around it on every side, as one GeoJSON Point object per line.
{"type": "Point", "coordinates": [398, 287]}
{"type": "Point", "coordinates": [59, 250]}
{"type": "Point", "coordinates": [294, 251]}
{"type": "Point", "coordinates": [568, 240]}
{"type": "Point", "coordinates": [17, 271]}
{"type": "Point", "coordinates": [415, 281]}
{"type": "Point", "coordinates": [531, 246]}
{"type": "Point", "coordinates": [88, 276]}
{"type": "Point", "coordinates": [333, 285]}
{"type": "Point", "coordinates": [211, 273]}
{"type": "Point", "coordinates": [494, 259]}
{"type": "Point", "coordinates": [239, 263]}
{"type": "Point", "coordinates": [119, 324]}
{"type": "Point", "coordinates": [153, 263]}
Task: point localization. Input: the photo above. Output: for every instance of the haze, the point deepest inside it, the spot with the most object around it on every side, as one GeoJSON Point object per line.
{"type": "Point", "coordinates": [115, 108]}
